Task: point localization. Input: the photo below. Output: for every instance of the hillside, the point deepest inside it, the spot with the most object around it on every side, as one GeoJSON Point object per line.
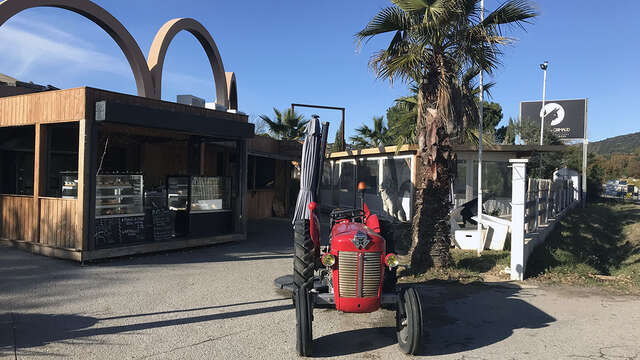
{"type": "Point", "coordinates": [619, 144]}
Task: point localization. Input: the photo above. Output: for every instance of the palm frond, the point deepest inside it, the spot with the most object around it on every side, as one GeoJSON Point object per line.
{"type": "Point", "coordinates": [513, 13]}
{"type": "Point", "coordinates": [389, 19]}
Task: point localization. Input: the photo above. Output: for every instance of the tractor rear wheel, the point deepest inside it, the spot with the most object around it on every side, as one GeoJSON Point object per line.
{"type": "Point", "coordinates": [409, 321]}
{"type": "Point", "coordinates": [303, 252]}
{"type": "Point", "coordinates": [304, 320]}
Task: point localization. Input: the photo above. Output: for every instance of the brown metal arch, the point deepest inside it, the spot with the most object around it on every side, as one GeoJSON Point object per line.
{"type": "Point", "coordinates": [161, 43]}
{"type": "Point", "coordinates": [100, 17]}
{"type": "Point", "coordinates": [232, 89]}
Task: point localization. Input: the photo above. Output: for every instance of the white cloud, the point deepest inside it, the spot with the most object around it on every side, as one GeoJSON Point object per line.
{"type": "Point", "coordinates": [41, 27]}
{"type": "Point", "coordinates": [22, 50]}
{"type": "Point", "coordinates": [27, 46]}
{"type": "Point", "coordinates": [177, 79]}
{"type": "Point", "coordinates": [189, 84]}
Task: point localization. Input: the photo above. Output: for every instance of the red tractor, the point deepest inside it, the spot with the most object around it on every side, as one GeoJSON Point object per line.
{"type": "Point", "coordinates": [355, 273]}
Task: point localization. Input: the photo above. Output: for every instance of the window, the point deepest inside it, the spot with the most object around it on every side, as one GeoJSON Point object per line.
{"type": "Point", "coordinates": [265, 173]}
{"type": "Point", "coordinates": [347, 176]}
{"type": "Point", "coordinates": [17, 160]}
{"type": "Point", "coordinates": [368, 171]}
{"type": "Point", "coordinates": [62, 164]}
{"type": "Point", "coordinates": [261, 173]}
{"type": "Point", "coordinates": [326, 176]}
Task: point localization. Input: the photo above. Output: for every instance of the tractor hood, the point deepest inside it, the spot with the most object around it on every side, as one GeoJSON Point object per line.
{"type": "Point", "coordinates": [352, 236]}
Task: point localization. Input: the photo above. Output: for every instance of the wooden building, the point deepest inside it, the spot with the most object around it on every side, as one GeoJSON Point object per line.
{"type": "Point", "coordinates": [88, 174]}
{"type": "Point", "coordinates": [273, 181]}
{"type": "Point", "coordinates": [390, 173]}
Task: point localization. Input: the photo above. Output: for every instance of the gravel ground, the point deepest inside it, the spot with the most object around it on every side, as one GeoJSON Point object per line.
{"type": "Point", "coordinates": [219, 302]}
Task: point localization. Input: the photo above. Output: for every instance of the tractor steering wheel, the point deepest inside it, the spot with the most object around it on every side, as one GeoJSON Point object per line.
{"type": "Point", "coordinates": [348, 214]}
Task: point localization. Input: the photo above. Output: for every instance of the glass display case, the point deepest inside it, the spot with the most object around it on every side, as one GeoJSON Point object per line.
{"type": "Point", "coordinates": [178, 192]}
{"type": "Point", "coordinates": [201, 204]}
{"type": "Point", "coordinates": [199, 193]}
{"type": "Point", "coordinates": [69, 185]}
{"type": "Point", "coordinates": [119, 195]}
{"type": "Point", "coordinates": [210, 194]}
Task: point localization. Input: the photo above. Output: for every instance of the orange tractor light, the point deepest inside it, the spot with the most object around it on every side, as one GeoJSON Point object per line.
{"type": "Point", "coordinates": [362, 186]}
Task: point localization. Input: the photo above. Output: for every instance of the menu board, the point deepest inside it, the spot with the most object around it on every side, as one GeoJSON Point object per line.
{"type": "Point", "coordinates": [119, 230]}
{"type": "Point", "coordinates": [107, 232]}
{"type": "Point", "coordinates": [131, 229]}
{"type": "Point", "coordinates": [162, 224]}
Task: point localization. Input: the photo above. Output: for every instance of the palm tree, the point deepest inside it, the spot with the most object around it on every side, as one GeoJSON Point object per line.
{"type": "Point", "coordinates": [286, 126]}
{"type": "Point", "coordinates": [367, 137]}
{"type": "Point", "coordinates": [402, 118]}
{"type": "Point", "coordinates": [402, 124]}
{"type": "Point", "coordinates": [434, 41]}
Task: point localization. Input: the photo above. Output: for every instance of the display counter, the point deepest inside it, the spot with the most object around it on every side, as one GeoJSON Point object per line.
{"type": "Point", "coordinates": [119, 210]}
{"type": "Point", "coordinates": [202, 204]}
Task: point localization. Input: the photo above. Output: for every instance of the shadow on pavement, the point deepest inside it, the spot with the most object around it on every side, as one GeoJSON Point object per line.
{"type": "Point", "coordinates": [354, 341]}
{"type": "Point", "coordinates": [267, 239]}
{"type": "Point", "coordinates": [457, 318]}
{"type": "Point", "coordinates": [34, 330]}
{"type": "Point", "coordinates": [466, 317]}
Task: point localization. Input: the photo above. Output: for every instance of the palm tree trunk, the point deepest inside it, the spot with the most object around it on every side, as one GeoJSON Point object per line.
{"type": "Point", "coordinates": [435, 169]}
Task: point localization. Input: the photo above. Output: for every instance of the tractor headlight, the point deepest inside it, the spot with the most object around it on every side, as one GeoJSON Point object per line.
{"type": "Point", "coordinates": [328, 260]}
{"type": "Point", "coordinates": [391, 261]}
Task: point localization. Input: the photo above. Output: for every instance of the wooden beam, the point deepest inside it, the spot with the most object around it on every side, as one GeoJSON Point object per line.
{"type": "Point", "coordinates": [203, 155]}
{"type": "Point", "coordinates": [40, 159]}
{"type": "Point", "coordinates": [241, 201]}
{"type": "Point", "coordinates": [87, 152]}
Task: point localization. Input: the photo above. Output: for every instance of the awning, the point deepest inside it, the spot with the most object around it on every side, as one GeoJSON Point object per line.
{"type": "Point", "coordinates": [142, 116]}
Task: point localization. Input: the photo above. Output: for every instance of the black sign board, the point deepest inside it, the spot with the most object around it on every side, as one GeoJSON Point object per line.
{"type": "Point", "coordinates": [565, 118]}
{"type": "Point", "coordinates": [115, 231]}
{"type": "Point", "coordinates": [162, 224]}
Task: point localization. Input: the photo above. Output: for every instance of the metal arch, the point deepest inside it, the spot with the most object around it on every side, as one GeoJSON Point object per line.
{"type": "Point", "coordinates": [232, 90]}
{"type": "Point", "coordinates": [161, 43]}
{"type": "Point", "coordinates": [100, 17]}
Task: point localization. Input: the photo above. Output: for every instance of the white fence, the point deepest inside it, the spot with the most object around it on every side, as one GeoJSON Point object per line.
{"type": "Point", "coordinates": [537, 205]}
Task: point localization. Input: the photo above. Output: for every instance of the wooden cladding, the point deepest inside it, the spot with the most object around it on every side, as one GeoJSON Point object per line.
{"type": "Point", "coordinates": [260, 203]}
{"type": "Point", "coordinates": [18, 218]}
{"type": "Point", "coordinates": [58, 220]}
{"type": "Point", "coordinates": [43, 107]}
{"type": "Point", "coordinates": [58, 225]}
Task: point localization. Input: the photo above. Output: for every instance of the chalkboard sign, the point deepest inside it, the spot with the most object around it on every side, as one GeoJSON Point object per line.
{"type": "Point", "coordinates": [107, 232]}
{"type": "Point", "coordinates": [119, 231]}
{"type": "Point", "coordinates": [131, 229]}
{"type": "Point", "coordinates": [162, 224]}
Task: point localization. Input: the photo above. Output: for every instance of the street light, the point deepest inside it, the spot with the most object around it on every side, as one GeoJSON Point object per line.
{"type": "Point", "coordinates": [543, 66]}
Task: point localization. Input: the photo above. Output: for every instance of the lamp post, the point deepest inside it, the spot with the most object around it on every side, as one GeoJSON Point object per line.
{"type": "Point", "coordinates": [543, 66]}
{"type": "Point", "coordinates": [480, 131]}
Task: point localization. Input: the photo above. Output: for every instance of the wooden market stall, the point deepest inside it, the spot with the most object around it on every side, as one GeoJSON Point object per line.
{"type": "Point", "coordinates": [85, 174]}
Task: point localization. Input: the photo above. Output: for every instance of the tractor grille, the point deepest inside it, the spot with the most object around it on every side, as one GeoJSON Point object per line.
{"type": "Point", "coordinates": [371, 274]}
{"type": "Point", "coordinates": [359, 279]}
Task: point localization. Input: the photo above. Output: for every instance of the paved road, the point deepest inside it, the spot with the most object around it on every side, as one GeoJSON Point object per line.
{"type": "Point", "coordinates": [219, 302]}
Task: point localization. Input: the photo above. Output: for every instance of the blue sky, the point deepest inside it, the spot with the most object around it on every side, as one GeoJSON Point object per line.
{"type": "Point", "coordinates": [305, 52]}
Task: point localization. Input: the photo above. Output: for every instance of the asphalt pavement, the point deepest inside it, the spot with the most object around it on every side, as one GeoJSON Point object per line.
{"type": "Point", "coordinates": [219, 302]}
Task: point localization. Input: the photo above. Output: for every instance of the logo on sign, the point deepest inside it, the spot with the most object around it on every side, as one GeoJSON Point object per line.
{"type": "Point", "coordinates": [553, 111]}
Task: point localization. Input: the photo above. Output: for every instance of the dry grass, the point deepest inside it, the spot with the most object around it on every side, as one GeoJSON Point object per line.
{"type": "Point", "coordinates": [594, 247]}
{"type": "Point", "coordinates": [468, 267]}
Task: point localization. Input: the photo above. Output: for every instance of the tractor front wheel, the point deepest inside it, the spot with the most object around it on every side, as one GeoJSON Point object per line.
{"type": "Point", "coordinates": [303, 255]}
{"type": "Point", "coordinates": [304, 319]}
{"type": "Point", "coordinates": [409, 321]}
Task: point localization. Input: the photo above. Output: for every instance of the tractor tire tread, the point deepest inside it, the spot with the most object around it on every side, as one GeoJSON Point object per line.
{"type": "Point", "coordinates": [303, 260]}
